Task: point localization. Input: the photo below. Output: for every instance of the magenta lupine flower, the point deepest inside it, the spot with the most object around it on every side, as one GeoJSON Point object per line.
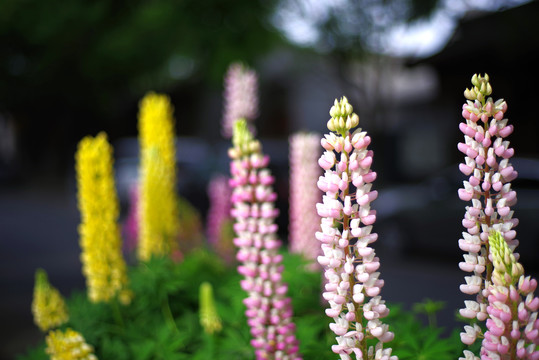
{"type": "Point", "coordinates": [240, 97]}
{"type": "Point", "coordinates": [350, 263]}
{"type": "Point", "coordinates": [219, 195]}
{"type": "Point", "coordinates": [489, 190]}
{"type": "Point", "coordinates": [131, 224]}
{"type": "Point", "coordinates": [269, 310]}
{"type": "Point", "coordinates": [512, 325]}
{"type": "Point", "coordinates": [303, 219]}
{"type": "Point", "coordinates": [219, 222]}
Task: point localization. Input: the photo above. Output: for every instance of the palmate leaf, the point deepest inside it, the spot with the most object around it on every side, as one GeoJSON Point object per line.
{"type": "Point", "coordinates": [162, 321]}
{"type": "Point", "coordinates": [36, 353]}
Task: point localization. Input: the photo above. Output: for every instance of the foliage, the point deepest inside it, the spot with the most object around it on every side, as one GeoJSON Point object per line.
{"type": "Point", "coordinates": [356, 28]}
{"type": "Point", "coordinates": [83, 65]}
{"type": "Point", "coordinates": [162, 321]}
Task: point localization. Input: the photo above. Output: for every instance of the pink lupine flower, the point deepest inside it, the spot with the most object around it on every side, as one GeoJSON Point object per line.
{"type": "Point", "coordinates": [353, 283]}
{"type": "Point", "coordinates": [269, 310]}
{"type": "Point", "coordinates": [303, 219]}
{"type": "Point", "coordinates": [488, 187]}
{"type": "Point", "coordinates": [240, 97]}
{"type": "Point", "coordinates": [512, 326]}
{"type": "Point", "coordinates": [489, 239]}
{"type": "Point", "coordinates": [131, 224]}
{"type": "Point", "coordinates": [219, 219]}
{"type": "Point", "coordinates": [219, 196]}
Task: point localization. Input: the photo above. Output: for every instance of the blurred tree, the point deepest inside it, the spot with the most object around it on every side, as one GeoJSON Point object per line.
{"type": "Point", "coordinates": [354, 35]}
{"type": "Point", "coordinates": [72, 67]}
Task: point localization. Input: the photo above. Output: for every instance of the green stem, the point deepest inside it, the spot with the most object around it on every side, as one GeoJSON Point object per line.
{"type": "Point", "coordinates": [167, 314]}
{"type": "Point", "coordinates": [209, 339]}
{"type": "Point", "coordinates": [117, 314]}
{"type": "Point", "coordinates": [432, 320]}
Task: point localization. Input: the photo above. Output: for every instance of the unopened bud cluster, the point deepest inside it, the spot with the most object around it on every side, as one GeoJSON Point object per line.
{"type": "Point", "coordinates": [350, 264]}
{"type": "Point", "coordinates": [244, 144]}
{"type": "Point", "coordinates": [48, 306]}
{"type": "Point", "coordinates": [512, 327]}
{"type": "Point", "coordinates": [342, 117]}
{"type": "Point", "coordinates": [506, 268]}
{"type": "Point", "coordinates": [481, 88]}
{"type": "Point", "coordinates": [209, 318]}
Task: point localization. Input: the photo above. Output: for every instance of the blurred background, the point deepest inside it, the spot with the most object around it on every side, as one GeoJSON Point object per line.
{"type": "Point", "coordinates": [74, 68]}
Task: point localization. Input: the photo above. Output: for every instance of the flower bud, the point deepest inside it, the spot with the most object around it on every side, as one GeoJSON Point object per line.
{"type": "Point", "coordinates": [469, 94]}
{"type": "Point", "coordinates": [475, 80]}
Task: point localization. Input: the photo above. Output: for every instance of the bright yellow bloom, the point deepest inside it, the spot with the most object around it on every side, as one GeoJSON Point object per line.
{"type": "Point", "coordinates": [48, 306]}
{"type": "Point", "coordinates": [158, 204]}
{"type": "Point", "coordinates": [68, 345]}
{"type": "Point", "coordinates": [209, 318]}
{"type": "Point", "coordinates": [102, 261]}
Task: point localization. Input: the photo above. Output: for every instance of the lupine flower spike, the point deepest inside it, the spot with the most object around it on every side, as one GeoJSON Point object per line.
{"type": "Point", "coordinates": [488, 188]}
{"type": "Point", "coordinates": [350, 263]}
{"type": "Point", "coordinates": [209, 318]}
{"type": "Point", "coordinates": [303, 219]}
{"type": "Point", "coordinates": [48, 306]}
{"type": "Point", "coordinates": [157, 202]}
{"type": "Point", "coordinates": [269, 310]}
{"type": "Point", "coordinates": [240, 97]}
{"type": "Point", "coordinates": [219, 219]}
{"type": "Point", "coordinates": [512, 325]}
{"type": "Point", "coordinates": [68, 345]}
{"type": "Point", "coordinates": [132, 221]}
{"type": "Point", "coordinates": [103, 264]}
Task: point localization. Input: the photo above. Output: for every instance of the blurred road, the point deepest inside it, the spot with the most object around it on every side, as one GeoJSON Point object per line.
{"type": "Point", "coordinates": [38, 228]}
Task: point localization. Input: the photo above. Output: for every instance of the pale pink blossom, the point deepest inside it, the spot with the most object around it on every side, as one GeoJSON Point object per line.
{"type": "Point", "coordinates": [303, 218]}
{"type": "Point", "coordinates": [511, 326]}
{"type": "Point", "coordinates": [269, 310]}
{"type": "Point", "coordinates": [240, 97]}
{"type": "Point", "coordinates": [350, 265]}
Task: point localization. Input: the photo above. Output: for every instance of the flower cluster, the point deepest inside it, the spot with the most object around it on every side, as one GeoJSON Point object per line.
{"type": "Point", "coordinates": [488, 187]}
{"type": "Point", "coordinates": [157, 200]}
{"type": "Point", "coordinates": [68, 345]}
{"type": "Point", "coordinates": [240, 97]}
{"type": "Point", "coordinates": [218, 220]}
{"type": "Point", "coordinates": [131, 224]}
{"type": "Point", "coordinates": [512, 326]}
{"type": "Point", "coordinates": [219, 196]}
{"type": "Point", "coordinates": [48, 306]}
{"type": "Point", "coordinates": [353, 284]}
{"type": "Point", "coordinates": [209, 318]}
{"type": "Point", "coordinates": [102, 261]}
{"type": "Point", "coordinates": [269, 310]}
{"type": "Point", "coordinates": [303, 219]}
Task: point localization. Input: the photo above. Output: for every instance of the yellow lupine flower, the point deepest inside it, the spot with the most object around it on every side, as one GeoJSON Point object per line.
{"type": "Point", "coordinates": [68, 345]}
{"type": "Point", "coordinates": [209, 318]}
{"type": "Point", "coordinates": [102, 261]}
{"type": "Point", "coordinates": [158, 207]}
{"type": "Point", "coordinates": [48, 306]}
